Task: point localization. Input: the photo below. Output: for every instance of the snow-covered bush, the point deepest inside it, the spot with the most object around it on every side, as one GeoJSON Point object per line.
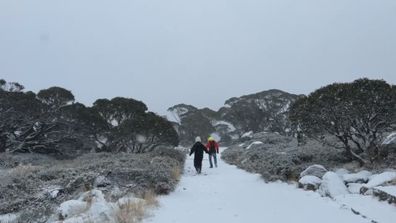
{"type": "Point", "coordinates": [279, 157]}
{"type": "Point", "coordinates": [35, 193]}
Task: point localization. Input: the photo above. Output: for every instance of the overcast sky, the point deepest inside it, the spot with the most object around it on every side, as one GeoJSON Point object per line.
{"type": "Point", "coordinates": [199, 52]}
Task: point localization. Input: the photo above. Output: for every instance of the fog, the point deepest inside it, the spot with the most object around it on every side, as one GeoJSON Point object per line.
{"type": "Point", "coordinates": [166, 52]}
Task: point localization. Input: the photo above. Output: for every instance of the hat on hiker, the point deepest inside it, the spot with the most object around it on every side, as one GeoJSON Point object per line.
{"type": "Point", "coordinates": [198, 139]}
{"type": "Point", "coordinates": [211, 138]}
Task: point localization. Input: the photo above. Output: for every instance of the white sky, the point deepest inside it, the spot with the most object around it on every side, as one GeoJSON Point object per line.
{"type": "Point", "coordinates": [199, 52]}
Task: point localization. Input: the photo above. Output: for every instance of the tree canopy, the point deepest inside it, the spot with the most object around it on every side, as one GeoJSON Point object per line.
{"type": "Point", "coordinates": [357, 114]}
{"type": "Point", "coordinates": [56, 97]}
{"type": "Point", "coordinates": [52, 123]}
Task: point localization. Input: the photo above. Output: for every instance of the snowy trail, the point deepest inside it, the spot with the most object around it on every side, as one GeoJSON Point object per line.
{"type": "Point", "coordinates": [228, 194]}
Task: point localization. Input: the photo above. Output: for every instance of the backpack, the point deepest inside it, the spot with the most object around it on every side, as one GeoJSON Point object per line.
{"type": "Point", "coordinates": [212, 147]}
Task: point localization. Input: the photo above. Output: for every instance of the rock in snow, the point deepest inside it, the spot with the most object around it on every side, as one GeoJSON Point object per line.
{"type": "Point", "coordinates": [314, 170]}
{"type": "Point", "coordinates": [71, 208]}
{"type": "Point", "coordinates": [332, 185]}
{"type": "Point", "coordinates": [387, 193]}
{"type": "Point", "coordinates": [381, 179]}
{"type": "Point", "coordinates": [361, 177]}
{"type": "Point", "coordinates": [354, 188]}
{"type": "Point", "coordinates": [90, 207]}
{"type": "Point", "coordinates": [309, 182]}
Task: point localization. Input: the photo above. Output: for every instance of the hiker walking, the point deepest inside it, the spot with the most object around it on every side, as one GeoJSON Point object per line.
{"type": "Point", "coordinates": [213, 149]}
{"type": "Point", "coordinates": [198, 149]}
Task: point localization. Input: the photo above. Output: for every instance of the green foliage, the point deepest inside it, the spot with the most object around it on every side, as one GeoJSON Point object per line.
{"type": "Point", "coordinates": [356, 114]}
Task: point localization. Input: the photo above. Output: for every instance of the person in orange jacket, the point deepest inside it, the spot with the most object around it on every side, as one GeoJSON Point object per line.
{"type": "Point", "coordinates": [213, 149]}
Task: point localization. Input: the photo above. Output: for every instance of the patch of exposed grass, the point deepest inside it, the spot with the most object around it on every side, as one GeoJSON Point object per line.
{"type": "Point", "coordinates": [23, 170]}
{"type": "Point", "coordinates": [176, 173]}
{"type": "Point", "coordinates": [135, 211]}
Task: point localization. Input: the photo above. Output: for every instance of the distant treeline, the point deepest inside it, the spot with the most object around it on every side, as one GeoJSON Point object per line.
{"type": "Point", "coordinates": [51, 122]}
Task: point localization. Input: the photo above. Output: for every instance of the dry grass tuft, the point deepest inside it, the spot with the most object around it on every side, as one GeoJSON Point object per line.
{"type": "Point", "coordinates": [23, 170]}
{"type": "Point", "coordinates": [151, 198]}
{"type": "Point", "coordinates": [176, 173]}
{"type": "Point", "coordinates": [134, 212]}
{"type": "Point", "coordinates": [131, 212]}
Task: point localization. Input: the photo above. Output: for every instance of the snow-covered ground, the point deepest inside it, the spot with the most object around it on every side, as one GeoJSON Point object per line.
{"type": "Point", "coordinates": [228, 194]}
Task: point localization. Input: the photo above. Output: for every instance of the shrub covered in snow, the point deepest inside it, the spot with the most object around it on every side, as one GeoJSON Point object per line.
{"type": "Point", "coordinates": [279, 158]}
{"type": "Point", "coordinates": [36, 190]}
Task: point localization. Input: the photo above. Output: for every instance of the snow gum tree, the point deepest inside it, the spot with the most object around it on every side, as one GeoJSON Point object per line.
{"type": "Point", "coordinates": [52, 123]}
{"type": "Point", "coordinates": [132, 128]}
{"type": "Point", "coordinates": [144, 133]}
{"type": "Point", "coordinates": [55, 97]}
{"type": "Point", "coordinates": [118, 110]}
{"type": "Point", "coordinates": [356, 114]}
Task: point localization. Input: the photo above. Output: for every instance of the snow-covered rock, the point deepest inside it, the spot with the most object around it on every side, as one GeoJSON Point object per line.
{"type": "Point", "coordinates": [386, 193]}
{"type": "Point", "coordinates": [71, 208]}
{"type": "Point", "coordinates": [361, 177]}
{"type": "Point", "coordinates": [332, 185]}
{"type": "Point", "coordinates": [90, 207]}
{"type": "Point", "coordinates": [388, 189]}
{"type": "Point", "coordinates": [341, 172]}
{"type": "Point", "coordinates": [309, 182]}
{"type": "Point", "coordinates": [93, 207]}
{"type": "Point", "coordinates": [354, 188]}
{"type": "Point", "coordinates": [314, 170]}
{"type": "Point", "coordinates": [381, 179]}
